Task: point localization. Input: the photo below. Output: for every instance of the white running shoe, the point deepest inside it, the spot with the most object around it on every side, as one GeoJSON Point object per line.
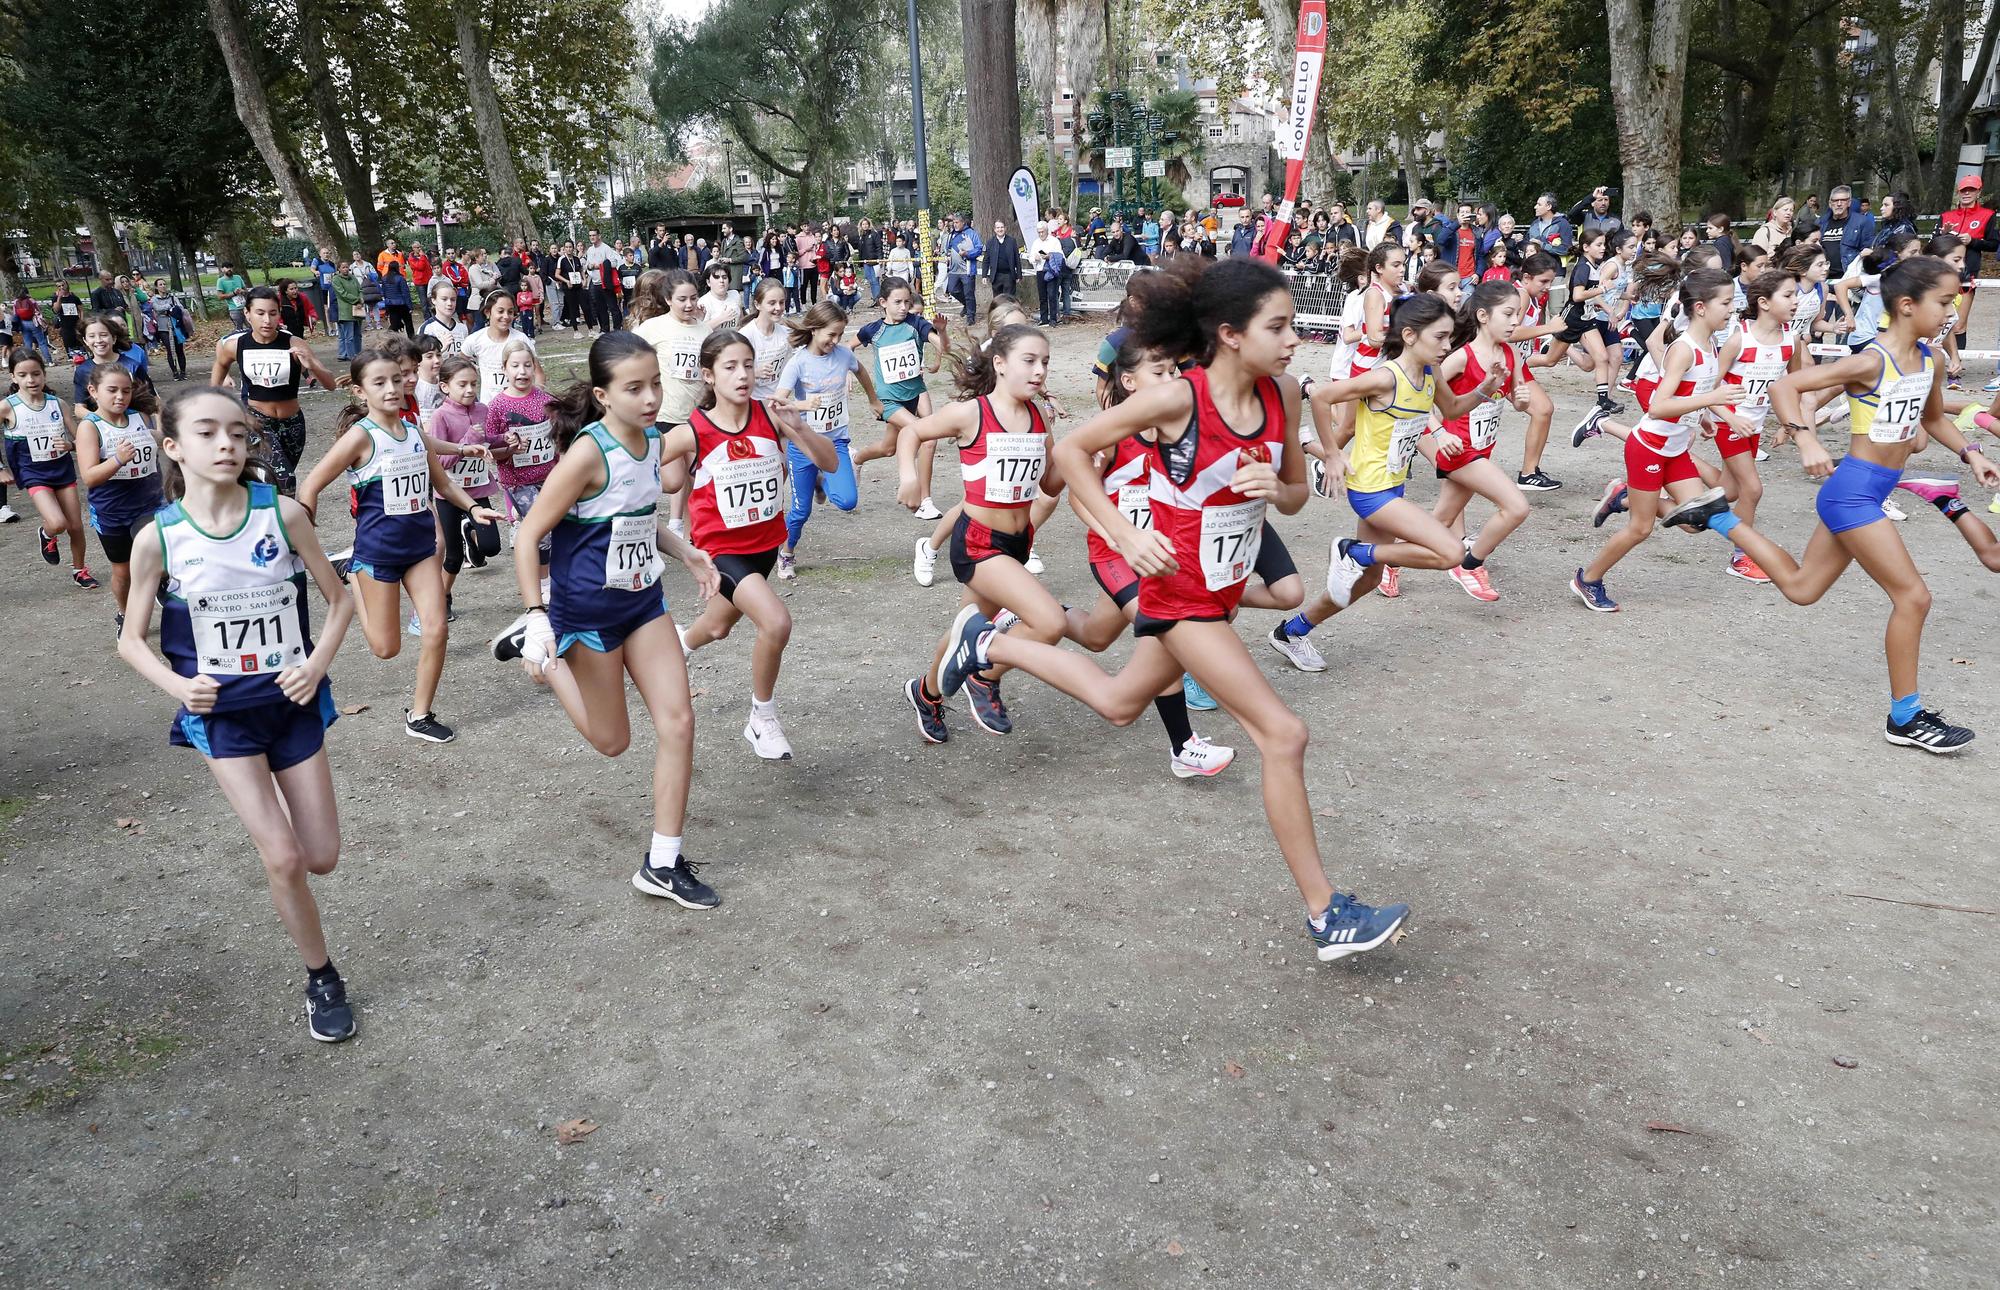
{"type": "Point", "coordinates": [1299, 651]}
{"type": "Point", "coordinates": [1895, 512]}
{"type": "Point", "coordinates": [929, 511]}
{"type": "Point", "coordinates": [1762, 455]}
{"type": "Point", "coordinates": [679, 528]}
{"type": "Point", "coordinates": [767, 737]}
{"type": "Point", "coordinates": [787, 566]}
{"type": "Point", "coordinates": [1200, 757]}
{"type": "Point", "coordinates": [924, 567]}
{"type": "Point", "coordinates": [1033, 564]}
{"type": "Point", "coordinates": [1340, 579]}
{"type": "Point", "coordinates": [682, 632]}
{"type": "Point", "coordinates": [7, 515]}
{"type": "Point", "coordinates": [416, 625]}
{"type": "Point", "coordinates": [1004, 621]}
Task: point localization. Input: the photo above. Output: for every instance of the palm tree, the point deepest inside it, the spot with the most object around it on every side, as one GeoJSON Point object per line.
{"type": "Point", "coordinates": [1082, 24]}
{"type": "Point", "coordinates": [1180, 131]}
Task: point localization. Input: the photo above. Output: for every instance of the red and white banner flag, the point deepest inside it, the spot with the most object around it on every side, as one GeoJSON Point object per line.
{"type": "Point", "coordinates": [1296, 134]}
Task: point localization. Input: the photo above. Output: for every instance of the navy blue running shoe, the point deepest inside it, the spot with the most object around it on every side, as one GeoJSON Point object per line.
{"type": "Point", "coordinates": [967, 654]}
{"type": "Point", "coordinates": [1355, 928]}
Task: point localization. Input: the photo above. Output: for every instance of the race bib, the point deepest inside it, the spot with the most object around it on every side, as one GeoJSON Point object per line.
{"type": "Point", "coordinates": [1230, 539]}
{"type": "Point", "coordinates": [828, 418]}
{"type": "Point", "coordinates": [632, 558]}
{"type": "Point", "coordinates": [684, 362]}
{"type": "Point", "coordinates": [902, 361]}
{"type": "Point", "coordinates": [45, 441]}
{"type": "Point", "coordinates": [1135, 503]}
{"type": "Point", "coordinates": [406, 483]}
{"type": "Point", "coordinates": [1485, 424]}
{"type": "Point", "coordinates": [252, 630]}
{"type": "Point", "coordinates": [68, 309]}
{"type": "Point", "coordinates": [1014, 464]}
{"type": "Point", "coordinates": [267, 367]}
{"type": "Point", "coordinates": [492, 381]}
{"type": "Point", "coordinates": [1403, 442]}
{"type": "Point", "coordinates": [1897, 417]}
{"type": "Point", "coordinates": [145, 460]}
{"type": "Point", "coordinates": [747, 491]}
{"type": "Point", "coordinates": [538, 444]}
{"type": "Point", "coordinates": [472, 472]}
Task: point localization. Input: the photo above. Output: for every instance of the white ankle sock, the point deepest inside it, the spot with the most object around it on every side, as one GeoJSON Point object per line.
{"type": "Point", "coordinates": [665, 853]}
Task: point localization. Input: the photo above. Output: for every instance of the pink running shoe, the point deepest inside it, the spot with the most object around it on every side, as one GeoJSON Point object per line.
{"type": "Point", "coordinates": [1392, 582]}
{"type": "Point", "coordinates": [1474, 583]}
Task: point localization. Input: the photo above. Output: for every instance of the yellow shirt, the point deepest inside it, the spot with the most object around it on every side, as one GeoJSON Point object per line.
{"type": "Point", "coordinates": [1385, 439]}
{"type": "Point", "coordinates": [1892, 410]}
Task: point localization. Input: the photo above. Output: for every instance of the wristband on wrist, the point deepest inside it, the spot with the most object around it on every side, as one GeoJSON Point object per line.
{"type": "Point", "coordinates": [1969, 448]}
{"type": "Point", "coordinates": [536, 609]}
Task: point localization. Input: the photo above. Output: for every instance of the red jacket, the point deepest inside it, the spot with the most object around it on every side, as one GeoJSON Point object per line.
{"type": "Point", "coordinates": [1976, 225]}
{"type": "Point", "coordinates": [420, 270]}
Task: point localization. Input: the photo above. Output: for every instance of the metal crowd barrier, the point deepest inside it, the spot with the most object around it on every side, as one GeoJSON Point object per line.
{"type": "Point", "coordinates": [1317, 297]}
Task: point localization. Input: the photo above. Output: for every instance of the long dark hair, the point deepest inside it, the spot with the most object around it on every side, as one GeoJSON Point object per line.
{"type": "Point", "coordinates": [1696, 287]}
{"type": "Point", "coordinates": [1913, 275]}
{"type": "Point", "coordinates": [1484, 298]}
{"type": "Point", "coordinates": [976, 374]}
{"type": "Point", "coordinates": [1352, 266]}
{"type": "Point", "coordinates": [577, 407]}
{"type": "Point", "coordinates": [1130, 354]}
{"type": "Point", "coordinates": [1761, 288]}
{"type": "Point", "coordinates": [256, 470]}
{"type": "Point", "coordinates": [1184, 306]}
{"type": "Point", "coordinates": [712, 347]}
{"type": "Point", "coordinates": [1414, 313]}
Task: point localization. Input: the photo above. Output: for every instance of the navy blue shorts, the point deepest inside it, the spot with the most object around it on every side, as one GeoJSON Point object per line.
{"type": "Point", "coordinates": [283, 733]}
{"type": "Point", "coordinates": [610, 637]}
{"type": "Point", "coordinates": [1853, 495]}
{"type": "Point", "coordinates": [30, 474]}
{"type": "Point", "coordinates": [383, 572]}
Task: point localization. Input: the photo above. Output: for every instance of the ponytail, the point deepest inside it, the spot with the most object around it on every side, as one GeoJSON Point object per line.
{"type": "Point", "coordinates": [577, 406]}
{"type": "Point", "coordinates": [1351, 267]}
{"type": "Point", "coordinates": [824, 314]}
{"type": "Point", "coordinates": [1484, 298]}
{"type": "Point", "coordinates": [977, 374]}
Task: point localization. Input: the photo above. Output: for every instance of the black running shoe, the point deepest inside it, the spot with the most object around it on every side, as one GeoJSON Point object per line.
{"type": "Point", "coordinates": [1536, 481]}
{"type": "Point", "coordinates": [677, 884]}
{"type": "Point", "coordinates": [930, 713]}
{"type": "Point", "coordinates": [1695, 513]}
{"type": "Point", "coordinates": [1610, 406]}
{"type": "Point", "coordinates": [507, 645]}
{"type": "Point", "coordinates": [427, 727]}
{"type": "Point", "coordinates": [82, 578]}
{"type": "Point", "coordinates": [982, 697]}
{"type": "Point", "coordinates": [329, 1018]}
{"type": "Point", "coordinates": [51, 553]}
{"type": "Point", "coordinates": [1929, 731]}
{"type": "Point", "coordinates": [468, 533]}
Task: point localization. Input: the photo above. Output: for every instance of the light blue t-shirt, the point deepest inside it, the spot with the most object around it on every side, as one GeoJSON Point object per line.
{"type": "Point", "coordinates": [807, 375]}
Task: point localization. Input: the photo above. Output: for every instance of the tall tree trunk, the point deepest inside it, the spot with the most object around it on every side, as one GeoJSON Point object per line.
{"type": "Point", "coordinates": [253, 106]}
{"type": "Point", "coordinates": [503, 177]}
{"type": "Point", "coordinates": [1956, 95]}
{"type": "Point", "coordinates": [10, 272]}
{"type": "Point", "coordinates": [992, 105]}
{"type": "Point", "coordinates": [1649, 54]}
{"type": "Point", "coordinates": [103, 236]}
{"type": "Point", "coordinates": [1409, 155]}
{"type": "Point", "coordinates": [229, 249]}
{"type": "Point", "coordinates": [356, 185]}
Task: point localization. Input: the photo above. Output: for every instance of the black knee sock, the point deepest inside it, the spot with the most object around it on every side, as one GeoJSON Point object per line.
{"type": "Point", "coordinates": [1173, 715]}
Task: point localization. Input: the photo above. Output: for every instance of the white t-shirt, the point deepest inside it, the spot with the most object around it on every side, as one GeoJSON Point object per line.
{"type": "Point", "coordinates": [722, 311]}
{"type": "Point", "coordinates": [772, 350]}
{"type": "Point", "coordinates": [452, 337]}
{"type": "Point", "coordinates": [679, 346]}
{"type": "Point", "coordinates": [484, 350]}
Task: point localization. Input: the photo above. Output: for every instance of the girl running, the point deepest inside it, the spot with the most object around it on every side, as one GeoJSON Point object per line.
{"type": "Point", "coordinates": [41, 442]}
{"type": "Point", "coordinates": [1485, 326]}
{"type": "Point", "coordinates": [1585, 321]}
{"type": "Point", "coordinates": [734, 503]}
{"type": "Point", "coordinates": [393, 474]}
{"type": "Point", "coordinates": [1690, 393]}
{"type": "Point", "coordinates": [1226, 448]}
{"type": "Point", "coordinates": [1003, 446]}
{"type": "Point", "coordinates": [1753, 358]}
{"type": "Point", "coordinates": [460, 420]}
{"type": "Point", "coordinates": [1393, 410]}
{"type": "Point", "coordinates": [444, 323]}
{"type": "Point", "coordinates": [1537, 274]}
{"type": "Point", "coordinates": [522, 437]}
{"type": "Point", "coordinates": [814, 385]}
{"type": "Point", "coordinates": [605, 618]}
{"type": "Point", "coordinates": [900, 339]}
{"type": "Point", "coordinates": [105, 341]}
{"type": "Point", "coordinates": [666, 314]}
{"type": "Point", "coordinates": [1896, 398]}
{"type": "Point", "coordinates": [227, 561]}
{"type": "Point", "coordinates": [118, 460]}
{"type": "Point", "coordinates": [1816, 318]}
{"type": "Point", "coordinates": [266, 362]}
{"type": "Point", "coordinates": [488, 346]}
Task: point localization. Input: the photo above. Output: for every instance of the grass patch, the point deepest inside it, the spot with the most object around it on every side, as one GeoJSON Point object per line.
{"type": "Point", "coordinates": [12, 809]}
{"type": "Point", "coordinates": [835, 570]}
{"type": "Point", "coordinates": [65, 1068]}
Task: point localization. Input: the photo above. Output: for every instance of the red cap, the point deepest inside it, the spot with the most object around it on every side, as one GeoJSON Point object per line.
{"type": "Point", "coordinates": [1970, 184]}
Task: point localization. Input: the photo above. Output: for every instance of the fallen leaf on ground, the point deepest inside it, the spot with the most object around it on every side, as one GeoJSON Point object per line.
{"type": "Point", "coordinates": [127, 822]}
{"type": "Point", "coordinates": [572, 1131]}
{"type": "Point", "coordinates": [1662, 1126]}
{"type": "Point", "coordinates": [1846, 1063]}
{"type": "Point", "coordinates": [1963, 662]}
{"type": "Point", "coordinates": [1760, 1036]}
{"type": "Point", "coordinates": [349, 709]}
{"type": "Point", "coordinates": [1234, 1069]}
{"type": "Point", "coordinates": [1174, 1249]}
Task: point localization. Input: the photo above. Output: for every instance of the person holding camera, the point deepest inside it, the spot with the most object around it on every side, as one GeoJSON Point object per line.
{"type": "Point", "coordinates": [1594, 214]}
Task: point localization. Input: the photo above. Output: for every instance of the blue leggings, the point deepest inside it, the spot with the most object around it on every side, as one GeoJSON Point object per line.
{"type": "Point", "coordinates": [840, 487]}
